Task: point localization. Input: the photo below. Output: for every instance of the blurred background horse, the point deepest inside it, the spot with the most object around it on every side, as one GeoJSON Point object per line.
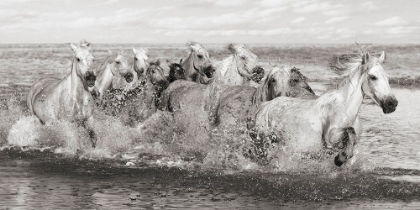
{"type": "Point", "coordinates": [238, 104]}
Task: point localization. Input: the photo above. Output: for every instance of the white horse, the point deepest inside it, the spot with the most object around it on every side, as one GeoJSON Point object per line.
{"type": "Point", "coordinates": [69, 98]}
{"type": "Point", "coordinates": [140, 64]}
{"type": "Point", "coordinates": [114, 68]}
{"type": "Point", "coordinates": [331, 121]}
{"type": "Point", "coordinates": [196, 63]}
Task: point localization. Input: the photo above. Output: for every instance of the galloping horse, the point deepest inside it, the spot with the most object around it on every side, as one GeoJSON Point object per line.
{"type": "Point", "coordinates": [114, 67]}
{"type": "Point", "coordinates": [196, 63]}
{"type": "Point", "coordinates": [237, 104]}
{"type": "Point", "coordinates": [146, 101]}
{"type": "Point", "coordinates": [330, 121]}
{"type": "Point", "coordinates": [68, 98]}
{"type": "Point", "coordinates": [191, 102]}
{"type": "Point", "coordinates": [140, 61]}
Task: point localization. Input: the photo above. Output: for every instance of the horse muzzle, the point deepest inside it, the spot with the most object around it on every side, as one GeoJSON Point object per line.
{"type": "Point", "coordinates": [389, 105]}
{"type": "Point", "coordinates": [129, 77]}
{"type": "Point", "coordinates": [90, 79]}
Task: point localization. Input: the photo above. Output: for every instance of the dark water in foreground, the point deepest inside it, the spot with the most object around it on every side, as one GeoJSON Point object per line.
{"type": "Point", "coordinates": [43, 180]}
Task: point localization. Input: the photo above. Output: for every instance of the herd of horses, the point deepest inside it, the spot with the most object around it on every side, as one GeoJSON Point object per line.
{"type": "Point", "coordinates": [200, 91]}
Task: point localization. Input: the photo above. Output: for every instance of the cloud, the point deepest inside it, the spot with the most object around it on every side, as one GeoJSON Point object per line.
{"type": "Point", "coordinates": [368, 6]}
{"type": "Point", "coordinates": [274, 3]}
{"type": "Point", "coordinates": [298, 20]}
{"type": "Point", "coordinates": [229, 3]}
{"type": "Point", "coordinates": [400, 30]}
{"type": "Point", "coordinates": [336, 19]}
{"type": "Point", "coordinates": [391, 22]}
{"type": "Point", "coordinates": [317, 6]}
{"type": "Point", "coordinates": [240, 19]}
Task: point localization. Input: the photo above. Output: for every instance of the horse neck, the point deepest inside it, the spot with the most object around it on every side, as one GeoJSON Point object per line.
{"type": "Point", "coordinates": [260, 95]}
{"type": "Point", "coordinates": [105, 81]}
{"type": "Point", "coordinates": [77, 87]}
{"type": "Point", "coordinates": [351, 92]}
{"type": "Point", "coordinates": [187, 64]}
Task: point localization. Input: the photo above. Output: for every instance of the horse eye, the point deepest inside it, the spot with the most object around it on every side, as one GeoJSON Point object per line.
{"type": "Point", "coordinates": [135, 58]}
{"type": "Point", "coordinates": [373, 77]}
{"type": "Point", "coordinates": [78, 59]}
{"type": "Point", "coordinates": [200, 56]}
{"type": "Point", "coordinates": [273, 80]}
{"type": "Point", "coordinates": [117, 62]}
{"type": "Point", "coordinates": [243, 57]}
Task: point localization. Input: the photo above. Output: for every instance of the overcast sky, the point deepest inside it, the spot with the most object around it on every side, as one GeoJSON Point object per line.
{"type": "Point", "coordinates": [210, 21]}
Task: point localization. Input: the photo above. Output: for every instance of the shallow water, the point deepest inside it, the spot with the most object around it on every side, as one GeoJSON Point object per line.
{"type": "Point", "coordinates": [175, 171]}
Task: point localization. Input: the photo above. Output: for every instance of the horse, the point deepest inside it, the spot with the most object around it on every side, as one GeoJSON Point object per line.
{"type": "Point", "coordinates": [52, 99]}
{"type": "Point", "coordinates": [176, 71]}
{"type": "Point", "coordinates": [237, 104]}
{"type": "Point", "coordinates": [140, 61]}
{"type": "Point", "coordinates": [197, 64]}
{"type": "Point", "coordinates": [329, 122]}
{"type": "Point", "coordinates": [115, 67]}
{"type": "Point", "coordinates": [191, 103]}
{"type": "Point", "coordinates": [146, 97]}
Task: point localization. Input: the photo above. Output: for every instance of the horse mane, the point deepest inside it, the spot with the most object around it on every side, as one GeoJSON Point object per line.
{"type": "Point", "coordinates": [102, 67]}
{"type": "Point", "coordinates": [84, 44]}
{"type": "Point", "coordinates": [263, 91]}
{"type": "Point", "coordinates": [346, 64]}
{"type": "Point", "coordinates": [234, 48]}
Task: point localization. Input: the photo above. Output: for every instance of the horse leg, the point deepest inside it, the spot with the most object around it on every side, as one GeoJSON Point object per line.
{"type": "Point", "coordinates": [88, 124]}
{"type": "Point", "coordinates": [349, 138]}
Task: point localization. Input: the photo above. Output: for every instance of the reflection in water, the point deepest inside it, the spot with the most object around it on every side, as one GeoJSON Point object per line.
{"type": "Point", "coordinates": [44, 183]}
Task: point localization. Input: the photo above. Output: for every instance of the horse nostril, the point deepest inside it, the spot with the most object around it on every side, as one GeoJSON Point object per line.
{"type": "Point", "coordinates": [392, 103]}
{"type": "Point", "coordinates": [129, 77]}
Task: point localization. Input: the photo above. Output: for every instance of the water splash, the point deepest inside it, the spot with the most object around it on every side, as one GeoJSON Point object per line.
{"type": "Point", "coordinates": [159, 141]}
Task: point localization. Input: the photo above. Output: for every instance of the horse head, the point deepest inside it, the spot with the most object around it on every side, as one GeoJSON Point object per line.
{"type": "Point", "coordinates": [156, 76]}
{"type": "Point", "coordinates": [82, 62]}
{"type": "Point", "coordinates": [119, 67]}
{"type": "Point", "coordinates": [199, 59]}
{"type": "Point", "coordinates": [246, 61]}
{"type": "Point", "coordinates": [176, 71]}
{"type": "Point", "coordinates": [375, 83]}
{"type": "Point", "coordinates": [140, 61]}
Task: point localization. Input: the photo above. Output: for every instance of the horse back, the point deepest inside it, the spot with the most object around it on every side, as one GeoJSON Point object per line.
{"type": "Point", "coordinates": [173, 90]}
{"type": "Point", "coordinates": [235, 103]}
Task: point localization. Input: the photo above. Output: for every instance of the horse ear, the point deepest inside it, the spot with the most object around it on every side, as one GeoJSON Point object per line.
{"type": "Point", "coordinates": [180, 61]}
{"type": "Point", "coordinates": [122, 51]}
{"type": "Point", "coordinates": [145, 50]}
{"type": "Point", "coordinates": [134, 50]}
{"type": "Point", "coordinates": [74, 47]}
{"type": "Point", "coordinates": [158, 62]}
{"type": "Point", "coordinates": [109, 52]}
{"type": "Point", "coordinates": [365, 58]}
{"type": "Point", "coordinates": [382, 57]}
{"type": "Point", "coordinates": [168, 62]}
{"type": "Point", "coordinates": [231, 48]}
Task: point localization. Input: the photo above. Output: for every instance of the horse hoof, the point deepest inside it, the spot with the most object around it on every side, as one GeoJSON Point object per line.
{"type": "Point", "coordinates": [337, 161]}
